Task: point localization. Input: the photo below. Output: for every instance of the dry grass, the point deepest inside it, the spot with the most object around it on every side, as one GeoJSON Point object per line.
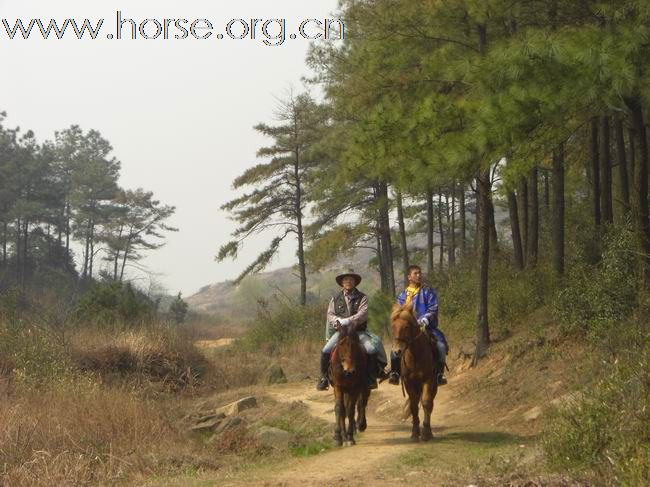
{"type": "Point", "coordinates": [85, 435]}
{"type": "Point", "coordinates": [157, 354]}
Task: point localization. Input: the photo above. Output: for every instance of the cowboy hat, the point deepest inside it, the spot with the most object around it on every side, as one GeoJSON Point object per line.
{"type": "Point", "coordinates": [349, 273]}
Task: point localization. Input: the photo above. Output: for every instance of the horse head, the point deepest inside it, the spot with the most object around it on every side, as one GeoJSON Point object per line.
{"type": "Point", "coordinates": [348, 350]}
{"type": "Point", "coordinates": [404, 326]}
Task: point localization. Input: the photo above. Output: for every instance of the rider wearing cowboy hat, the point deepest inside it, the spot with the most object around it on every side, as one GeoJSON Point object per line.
{"type": "Point", "coordinates": [350, 308]}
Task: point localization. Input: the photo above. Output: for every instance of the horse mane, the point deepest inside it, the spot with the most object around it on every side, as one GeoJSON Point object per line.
{"type": "Point", "coordinates": [404, 312]}
{"type": "Point", "coordinates": [348, 332]}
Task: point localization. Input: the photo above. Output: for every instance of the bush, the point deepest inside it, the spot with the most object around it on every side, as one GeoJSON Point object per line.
{"type": "Point", "coordinates": [607, 431]}
{"type": "Point", "coordinates": [110, 302]}
{"type": "Point", "coordinates": [379, 313]}
{"type": "Point", "coordinates": [597, 298]}
{"type": "Point", "coordinates": [283, 323]}
{"type": "Point", "coordinates": [36, 354]}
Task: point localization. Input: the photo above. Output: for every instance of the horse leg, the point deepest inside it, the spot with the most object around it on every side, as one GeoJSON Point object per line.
{"type": "Point", "coordinates": [339, 410]}
{"type": "Point", "coordinates": [362, 404]}
{"type": "Point", "coordinates": [414, 392]}
{"type": "Point", "coordinates": [428, 393]}
{"type": "Point", "coordinates": [350, 409]}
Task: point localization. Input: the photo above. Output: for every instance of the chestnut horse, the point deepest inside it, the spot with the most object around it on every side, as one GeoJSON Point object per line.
{"type": "Point", "coordinates": [348, 375]}
{"type": "Point", "coordinates": [418, 355]}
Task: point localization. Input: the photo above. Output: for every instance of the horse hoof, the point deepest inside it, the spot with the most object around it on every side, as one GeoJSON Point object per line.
{"type": "Point", "coordinates": [427, 436]}
{"type": "Point", "coordinates": [350, 443]}
{"type": "Point", "coordinates": [361, 426]}
{"type": "Point", "coordinates": [415, 438]}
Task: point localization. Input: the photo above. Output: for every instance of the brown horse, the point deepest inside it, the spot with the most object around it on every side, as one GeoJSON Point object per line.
{"type": "Point", "coordinates": [348, 374]}
{"type": "Point", "coordinates": [418, 355]}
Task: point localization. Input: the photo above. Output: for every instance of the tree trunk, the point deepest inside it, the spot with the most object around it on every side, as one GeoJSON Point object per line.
{"type": "Point", "coordinates": [67, 230]}
{"type": "Point", "coordinates": [523, 207]}
{"type": "Point", "coordinates": [547, 193]}
{"type": "Point", "coordinates": [302, 268]}
{"type": "Point", "coordinates": [442, 231]}
{"type": "Point", "coordinates": [622, 165]}
{"type": "Point", "coordinates": [452, 228]}
{"type": "Point", "coordinates": [516, 233]}
{"type": "Point", "coordinates": [127, 249]}
{"type": "Point", "coordinates": [482, 325]}
{"type": "Point", "coordinates": [595, 172]}
{"type": "Point", "coordinates": [429, 232]}
{"type": "Point", "coordinates": [477, 220]}
{"type": "Point", "coordinates": [641, 185]}
{"type": "Point", "coordinates": [402, 235]}
{"type": "Point", "coordinates": [557, 221]}
{"type": "Point", "coordinates": [18, 247]}
{"type": "Point", "coordinates": [606, 174]}
{"type": "Point", "coordinates": [463, 222]}
{"type": "Point", "coordinates": [4, 243]}
{"type": "Point", "coordinates": [387, 248]}
{"type": "Point", "coordinates": [383, 279]}
{"type": "Point", "coordinates": [631, 173]}
{"type": "Point", "coordinates": [25, 253]}
{"type": "Point", "coordinates": [92, 251]}
{"type": "Point", "coordinates": [494, 238]}
{"type": "Point", "coordinates": [533, 221]}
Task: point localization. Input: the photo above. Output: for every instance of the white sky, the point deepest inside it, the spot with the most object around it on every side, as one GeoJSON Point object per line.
{"type": "Point", "coordinates": [179, 113]}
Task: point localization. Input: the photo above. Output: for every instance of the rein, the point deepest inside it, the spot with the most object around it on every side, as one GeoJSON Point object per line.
{"type": "Point", "coordinates": [408, 342]}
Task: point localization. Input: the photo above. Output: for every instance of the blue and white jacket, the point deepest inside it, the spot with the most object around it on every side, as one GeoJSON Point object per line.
{"type": "Point", "coordinates": [425, 305]}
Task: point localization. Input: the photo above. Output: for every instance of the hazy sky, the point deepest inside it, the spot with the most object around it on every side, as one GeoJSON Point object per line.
{"type": "Point", "coordinates": [179, 113]}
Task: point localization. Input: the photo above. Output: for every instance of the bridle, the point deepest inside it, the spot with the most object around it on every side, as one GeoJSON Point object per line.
{"type": "Point", "coordinates": [409, 340]}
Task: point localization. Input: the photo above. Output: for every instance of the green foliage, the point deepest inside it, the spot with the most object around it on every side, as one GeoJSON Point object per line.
{"type": "Point", "coordinates": [379, 313]}
{"type": "Point", "coordinates": [36, 354]}
{"type": "Point", "coordinates": [114, 302]}
{"type": "Point", "coordinates": [607, 429]}
{"type": "Point", "coordinates": [597, 298]}
{"type": "Point", "coordinates": [178, 309]}
{"type": "Point", "coordinates": [283, 322]}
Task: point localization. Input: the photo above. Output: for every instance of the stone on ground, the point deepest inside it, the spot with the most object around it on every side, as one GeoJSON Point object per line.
{"type": "Point", "coordinates": [275, 375]}
{"type": "Point", "coordinates": [272, 438]}
{"type": "Point", "coordinates": [234, 408]}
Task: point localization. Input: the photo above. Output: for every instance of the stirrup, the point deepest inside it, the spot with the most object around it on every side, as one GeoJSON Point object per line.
{"type": "Point", "coordinates": [393, 378]}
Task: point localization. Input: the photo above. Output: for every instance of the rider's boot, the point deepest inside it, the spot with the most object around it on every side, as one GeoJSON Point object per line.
{"type": "Point", "coordinates": [395, 364]}
{"type": "Point", "coordinates": [372, 371]}
{"type": "Point", "coordinates": [440, 374]}
{"type": "Point", "coordinates": [323, 382]}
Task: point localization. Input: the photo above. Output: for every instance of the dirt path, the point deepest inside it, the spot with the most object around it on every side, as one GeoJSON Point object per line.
{"type": "Point", "coordinates": [221, 342]}
{"type": "Point", "coordinates": [387, 438]}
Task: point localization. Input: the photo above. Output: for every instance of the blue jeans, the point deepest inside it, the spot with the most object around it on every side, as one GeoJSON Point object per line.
{"type": "Point", "coordinates": [441, 342]}
{"type": "Point", "coordinates": [369, 341]}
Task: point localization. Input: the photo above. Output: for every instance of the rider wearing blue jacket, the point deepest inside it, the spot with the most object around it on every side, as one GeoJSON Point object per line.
{"type": "Point", "coordinates": [425, 305]}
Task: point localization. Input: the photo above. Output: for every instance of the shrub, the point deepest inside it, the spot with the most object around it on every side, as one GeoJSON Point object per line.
{"type": "Point", "coordinates": [607, 431]}
{"type": "Point", "coordinates": [283, 322]}
{"type": "Point", "coordinates": [379, 313]}
{"type": "Point", "coordinates": [110, 302]}
{"type": "Point", "coordinates": [36, 354]}
{"type": "Point", "coordinates": [597, 298]}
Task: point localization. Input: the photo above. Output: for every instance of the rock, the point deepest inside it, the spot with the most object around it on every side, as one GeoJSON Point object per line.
{"type": "Point", "coordinates": [275, 375]}
{"type": "Point", "coordinates": [207, 423]}
{"type": "Point", "coordinates": [273, 438]}
{"type": "Point", "coordinates": [234, 408]}
{"type": "Point", "coordinates": [533, 414]}
{"type": "Point", "coordinates": [227, 424]}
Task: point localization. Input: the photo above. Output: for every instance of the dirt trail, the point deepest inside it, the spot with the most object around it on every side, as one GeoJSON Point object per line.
{"type": "Point", "coordinates": [387, 438]}
{"type": "Point", "coordinates": [221, 342]}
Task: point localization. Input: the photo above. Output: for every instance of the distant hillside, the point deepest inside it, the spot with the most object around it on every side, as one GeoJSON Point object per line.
{"type": "Point", "coordinates": [227, 299]}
